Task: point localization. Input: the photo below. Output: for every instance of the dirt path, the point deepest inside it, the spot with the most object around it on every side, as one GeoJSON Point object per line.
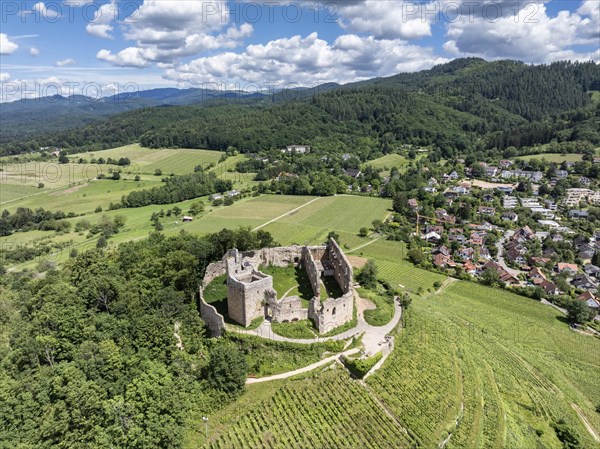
{"type": "Point", "coordinates": [586, 423]}
{"type": "Point", "coordinates": [306, 369]}
{"type": "Point", "coordinates": [447, 283]}
{"type": "Point", "coordinates": [286, 214]}
{"type": "Point", "coordinates": [362, 246]}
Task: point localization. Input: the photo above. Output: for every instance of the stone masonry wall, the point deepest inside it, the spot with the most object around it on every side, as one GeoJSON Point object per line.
{"type": "Point", "coordinates": [213, 319]}
{"type": "Point", "coordinates": [341, 267]}
{"type": "Point", "coordinates": [314, 275]}
{"type": "Point", "coordinates": [335, 312]}
{"type": "Point", "coordinates": [245, 300]}
{"type": "Point", "coordinates": [288, 309]}
{"type": "Point", "coordinates": [213, 271]}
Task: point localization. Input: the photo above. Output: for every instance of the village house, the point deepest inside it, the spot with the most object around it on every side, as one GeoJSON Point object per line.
{"type": "Point", "coordinates": [536, 276]}
{"type": "Point", "coordinates": [583, 282]}
{"type": "Point", "coordinates": [299, 149]}
{"type": "Point", "coordinates": [570, 268]}
{"type": "Point", "coordinates": [550, 288]}
{"type": "Point", "coordinates": [353, 172]}
{"type": "Point", "coordinates": [510, 216]}
{"type": "Point", "coordinates": [486, 210]}
{"type": "Point", "coordinates": [591, 301]}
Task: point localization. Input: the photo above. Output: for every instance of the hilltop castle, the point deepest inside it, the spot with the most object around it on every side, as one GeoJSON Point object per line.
{"type": "Point", "coordinates": [250, 293]}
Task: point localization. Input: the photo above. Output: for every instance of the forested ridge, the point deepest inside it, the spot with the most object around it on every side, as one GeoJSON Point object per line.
{"type": "Point", "coordinates": [467, 104]}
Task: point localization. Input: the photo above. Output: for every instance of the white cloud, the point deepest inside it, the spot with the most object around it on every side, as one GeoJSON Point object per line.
{"type": "Point", "coordinates": [166, 31]}
{"type": "Point", "coordinates": [6, 46]}
{"type": "Point", "coordinates": [65, 62]}
{"type": "Point", "coordinates": [307, 60]}
{"type": "Point", "coordinates": [385, 19]}
{"type": "Point", "coordinates": [33, 51]}
{"type": "Point", "coordinates": [101, 26]}
{"type": "Point", "coordinates": [529, 34]}
{"type": "Point", "coordinates": [4, 77]}
{"type": "Point", "coordinates": [45, 12]}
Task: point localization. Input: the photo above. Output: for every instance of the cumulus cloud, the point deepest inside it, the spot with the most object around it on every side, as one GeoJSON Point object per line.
{"type": "Point", "coordinates": [46, 13]}
{"type": "Point", "coordinates": [307, 60]}
{"type": "Point", "coordinates": [527, 33]}
{"type": "Point", "coordinates": [4, 77]}
{"type": "Point", "coordinates": [166, 31]}
{"type": "Point", "coordinates": [101, 26]}
{"type": "Point", "coordinates": [385, 19]}
{"type": "Point", "coordinates": [65, 62]}
{"type": "Point", "coordinates": [7, 47]}
{"type": "Point", "coordinates": [33, 51]}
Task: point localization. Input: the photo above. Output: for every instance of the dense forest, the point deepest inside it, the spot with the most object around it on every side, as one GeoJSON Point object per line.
{"type": "Point", "coordinates": [459, 107]}
{"type": "Point", "coordinates": [110, 351]}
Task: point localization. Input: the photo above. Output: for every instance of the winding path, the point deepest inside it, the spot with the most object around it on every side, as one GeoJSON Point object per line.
{"type": "Point", "coordinates": [305, 369]}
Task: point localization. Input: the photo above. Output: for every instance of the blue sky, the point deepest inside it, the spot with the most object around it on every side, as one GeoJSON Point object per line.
{"type": "Point", "coordinates": [98, 47]}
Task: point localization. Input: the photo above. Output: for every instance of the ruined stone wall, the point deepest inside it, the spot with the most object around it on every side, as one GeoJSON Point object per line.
{"type": "Point", "coordinates": [288, 309]}
{"type": "Point", "coordinates": [342, 270]}
{"type": "Point", "coordinates": [334, 312]}
{"type": "Point", "coordinates": [213, 271]}
{"type": "Point", "coordinates": [213, 319]}
{"type": "Point", "coordinates": [314, 275]}
{"type": "Point", "coordinates": [279, 256]}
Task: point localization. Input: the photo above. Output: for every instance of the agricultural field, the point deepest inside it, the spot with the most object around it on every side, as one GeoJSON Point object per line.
{"type": "Point", "coordinates": [473, 368]}
{"type": "Point", "coordinates": [145, 161]}
{"type": "Point", "coordinates": [390, 258]}
{"type": "Point", "coordinates": [554, 157]}
{"type": "Point", "coordinates": [330, 411]}
{"type": "Point", "coordinates": [488, 368]}
{"type": "Point", "coordinates": [316, 219]}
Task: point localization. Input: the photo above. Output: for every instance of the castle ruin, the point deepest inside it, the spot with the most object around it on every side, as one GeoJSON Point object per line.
{"type": "Point", "coordinates": [250, 293]}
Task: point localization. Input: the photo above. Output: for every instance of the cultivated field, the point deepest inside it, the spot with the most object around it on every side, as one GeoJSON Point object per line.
{"type": "Point", "coordinates": [312, 223]}
{"type": "Point", "coordinates": [474, 368]}
{"type": "Point", "coordinates": [331, 411]}
{"type": "Point", "coordinates": [554, 157]}
{"type": "Point", "coordinates": [145, 161]}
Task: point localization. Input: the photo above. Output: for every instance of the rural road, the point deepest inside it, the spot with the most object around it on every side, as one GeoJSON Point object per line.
{"type": "Point", "coordinates": [286, 214]}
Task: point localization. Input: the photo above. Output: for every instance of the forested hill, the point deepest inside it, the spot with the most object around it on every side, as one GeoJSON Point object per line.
{"type": "Point", "coordinates": [465, 105]}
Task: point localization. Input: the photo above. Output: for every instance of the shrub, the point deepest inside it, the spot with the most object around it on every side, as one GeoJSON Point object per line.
{"type": "Point", "coordinates": [360, 367]}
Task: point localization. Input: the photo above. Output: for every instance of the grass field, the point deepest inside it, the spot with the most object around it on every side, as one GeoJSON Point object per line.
{"type": "Point", "coordinates": [554, 157]}
{"type": "Point", "coordinates": [388, 161]}
{"type": "Point", "coordinates": [313, 222]}
{"type": "Point", "coordinates": [145, 161]}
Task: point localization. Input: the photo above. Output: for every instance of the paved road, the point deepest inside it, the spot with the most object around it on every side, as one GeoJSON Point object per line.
{"type": "Point", "coordinates": [501, 261]}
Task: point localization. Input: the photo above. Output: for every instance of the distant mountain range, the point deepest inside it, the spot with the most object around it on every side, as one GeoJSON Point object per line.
{"type": "Point", "coordinates": [28, 117]}
{"type": "Point", "coordinates": [465, 105]}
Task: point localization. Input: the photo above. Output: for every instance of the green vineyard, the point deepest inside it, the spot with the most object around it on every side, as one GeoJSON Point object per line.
{"type": "Point", "coordinates": [331, 412]}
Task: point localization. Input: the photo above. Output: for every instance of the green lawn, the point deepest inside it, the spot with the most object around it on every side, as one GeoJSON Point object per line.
{"type": "Point", "coordinates": [290, 281]}
{"type": "Point", "coordinates": [215, 293]}
{"type": "Point", "coordinates": [384, 311]}
{"type": "Point", "coordinates": [387, 162]}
